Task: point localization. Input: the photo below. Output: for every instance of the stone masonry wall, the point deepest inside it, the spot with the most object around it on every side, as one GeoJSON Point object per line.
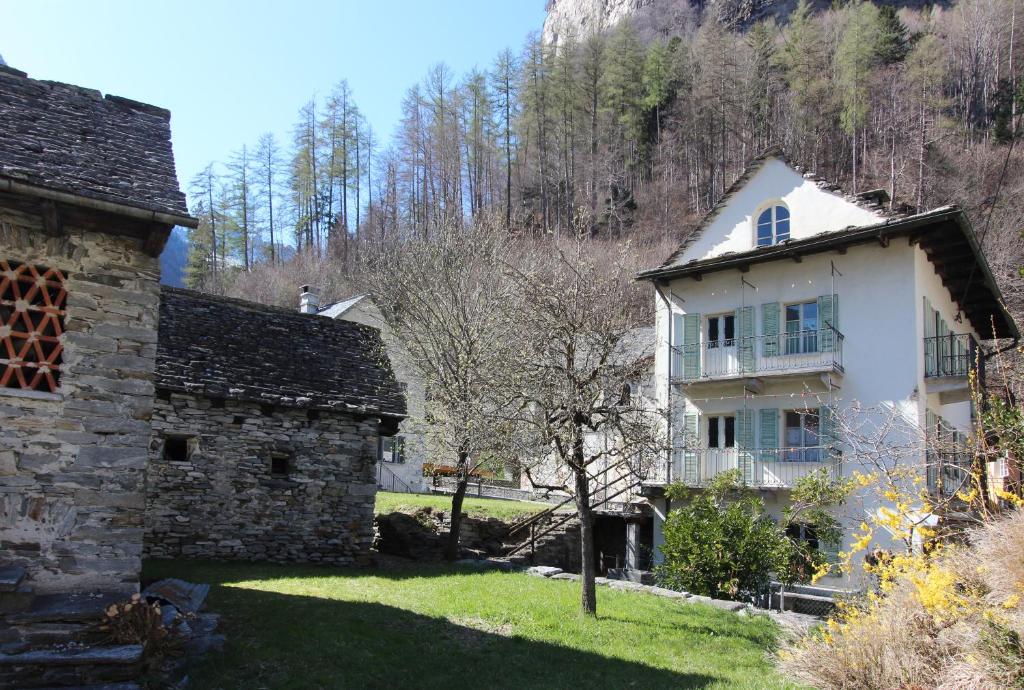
{"type": "Point", "coordinates": [72, 464]}
{"type": "Point", "coordinates": [224, 501]}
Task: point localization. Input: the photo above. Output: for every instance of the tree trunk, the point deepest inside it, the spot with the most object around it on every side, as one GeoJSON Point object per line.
{"type": "Point", "coordinates": [588, 600]}
{"type": "Point", "coordinates": [451, 549]}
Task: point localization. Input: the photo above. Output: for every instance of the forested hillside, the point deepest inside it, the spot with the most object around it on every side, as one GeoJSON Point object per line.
{"type": "Point", "coordinates": [627, 138]}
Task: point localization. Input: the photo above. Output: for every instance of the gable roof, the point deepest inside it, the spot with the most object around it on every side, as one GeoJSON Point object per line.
{"type": "Point", "coordinates": [338, 309]}
{"type": "Point", "coordinates": [67, 142]}
{"type": "Point", "coordinates": [872, 200]}
{"type": "Point", "coordinates": [944, 234]}
{"type": "Point", "coordinates": [227, 348]}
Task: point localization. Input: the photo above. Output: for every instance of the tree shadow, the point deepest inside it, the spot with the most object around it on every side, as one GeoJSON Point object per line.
{"type": "Point", "coordinates": [277, 640]}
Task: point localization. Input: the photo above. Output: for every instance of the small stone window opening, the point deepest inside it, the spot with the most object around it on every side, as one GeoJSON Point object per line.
{"type": "Point", "coordinates": [33, 304]}
{"type": "Point", "coordinates": [176, 449]}
{"type": "Point", "coordinates": [267, 410]}
{"type": "Point", "coordinates": [280, 465]}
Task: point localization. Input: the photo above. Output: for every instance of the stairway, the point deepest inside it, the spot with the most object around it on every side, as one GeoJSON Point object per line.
{"type": "Point", "coordinates": [539, 540]}
{"type": "Point", "coordinates": [52, 640]}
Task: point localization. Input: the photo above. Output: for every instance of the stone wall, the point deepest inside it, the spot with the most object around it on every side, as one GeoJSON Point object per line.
{"type": "Point", "coordinates": [72, 464]}
{"type": "Point", "coordinates": [225, 501]}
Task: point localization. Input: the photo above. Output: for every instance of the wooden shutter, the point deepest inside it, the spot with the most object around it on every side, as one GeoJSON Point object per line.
{"type": "Point", "coordinates": [745, 326]}
{"type": "Point", "coordinates": [769, 430]}
{"type": "Point", "coordinates": [676, 365]}
{"type": "Point", "coordinates": [691, 429]}
{"type": "Point", "coordinates": [691, 346]}
{"type": "Point", "coordinates": [828, 316]}
{"type": "Point", "coordinates": [931, 350]}
{"type": "Point", "coordinates": [770, 328]}
{"type": "Point", "coordinates": [745, 444]}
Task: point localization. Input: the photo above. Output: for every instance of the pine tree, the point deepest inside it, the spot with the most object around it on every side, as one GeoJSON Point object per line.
{"type": "Point", "coordinates": [803, 59]}
{"type": "Point", "coordinates": [893, 37]}
{"type": "Point", "coordinates": [856, 56]}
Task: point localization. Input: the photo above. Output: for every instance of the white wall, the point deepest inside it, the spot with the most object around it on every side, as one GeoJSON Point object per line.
{"type": "Point", "coordinates": [812, 211]}
{"type": "Point", "coordinates": [878, 316]}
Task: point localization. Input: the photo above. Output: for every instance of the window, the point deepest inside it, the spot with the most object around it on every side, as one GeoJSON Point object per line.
{"type": "Point", "coordinates": [801, 328]}
{"type": "Point", "coordinates": [772, 226]}
{"type": "Point", "coordinates": [280, 465]}
{"type": "Point", "coordinates": [802, 436]}
{"type": "Point", "coordinates": [392, 449]}
{"type": "Point", "coordinates": [721, 432]}
{"type": "Point", "coordinates": [176, 449]}
{"type": "Point", "coordinates": [32, 309]}
{"type": "Point", "coordinates": [722, 331]}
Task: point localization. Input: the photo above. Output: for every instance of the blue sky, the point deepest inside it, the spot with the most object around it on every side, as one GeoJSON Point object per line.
{"type": "Point", "coordinates": [229, 71]}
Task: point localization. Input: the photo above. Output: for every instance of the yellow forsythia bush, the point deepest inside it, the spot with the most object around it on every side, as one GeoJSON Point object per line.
{"type": "Point", "coordinates": [950, 619]}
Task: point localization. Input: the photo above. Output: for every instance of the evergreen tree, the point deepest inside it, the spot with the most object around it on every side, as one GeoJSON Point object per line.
{"type": "Point", "coordinates": [893, 37]}
{"type": "Point", "coordinates": [856, 56]}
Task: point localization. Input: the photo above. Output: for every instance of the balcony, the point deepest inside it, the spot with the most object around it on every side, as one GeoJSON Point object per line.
{"type": "Point", "coordinates": [793, 353]}
{"type": "Point", "coordinates": [949, 473]}
{"type": "Point", "coordinates": [949, 361]}
{"type": "Point", "coordinates": [760, 468]}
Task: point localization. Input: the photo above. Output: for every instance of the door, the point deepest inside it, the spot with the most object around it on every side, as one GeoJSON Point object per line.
{"type": "Point", "coordinates": [721, 434]}
{"type": "Point", "coordinates": [720, 357]}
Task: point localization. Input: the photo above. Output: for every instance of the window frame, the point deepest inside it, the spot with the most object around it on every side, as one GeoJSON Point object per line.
{"type": "Point", "coordinates": [772, 208]}
{"type": "Point", "coordinates": [800, 453]}
{"type": "Point", "coordinates": [806, 339]}
{"type": "Point", "coordinates": [33, 309]}
{"type": "Point", "coordinates": [721, 321]}
{"type": "Point", "coordinates": [391, 449]}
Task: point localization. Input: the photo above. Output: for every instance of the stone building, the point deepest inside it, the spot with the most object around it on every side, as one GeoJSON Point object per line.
{"type": "Point", "coordinates": [88, 196]}
{"type": "Point", "coordinates": [266, 430]}
{"type": "Point", "coordinates": [401, 457]}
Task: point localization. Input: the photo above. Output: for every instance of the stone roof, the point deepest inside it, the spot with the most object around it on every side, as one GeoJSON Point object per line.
{"type": "Point", "coordinates": [226, 348]}
{"type": "Point", "coordinates": [76, 141]}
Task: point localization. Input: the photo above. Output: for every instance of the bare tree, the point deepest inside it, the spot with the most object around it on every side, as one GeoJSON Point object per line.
{"type": "Point", "coordinates": [449, 308]}
{"type": "Point", "coordinates": [577, 362]}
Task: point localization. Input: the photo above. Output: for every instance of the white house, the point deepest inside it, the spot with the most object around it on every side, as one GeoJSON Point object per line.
{"type": "Point", "coordinates": [796, 307]}
{"type": "Point", "coordinates": [401, 458]}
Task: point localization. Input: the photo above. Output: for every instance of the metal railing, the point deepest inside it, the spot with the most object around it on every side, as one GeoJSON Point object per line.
{"type": "Point", "coordinates": [778, 468]}
{"type": "Point", "coordinates": [949, 473]}
{"type": "Point", "coordinates": [809, 350]}
{"type": "Point", "coordinates": [955, 355]}
{"type": "Point", "coordinates": [387, 480]}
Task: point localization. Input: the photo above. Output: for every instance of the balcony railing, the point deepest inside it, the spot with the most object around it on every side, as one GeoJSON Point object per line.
{"type": "Point", "coordinates": [949, 473]}
{"type": "Point", "coordinates": [794, 352]}
{"type": "Point", "coordinates": [774, 468]}
{"type": "Point", "coordinates": [953, 355]}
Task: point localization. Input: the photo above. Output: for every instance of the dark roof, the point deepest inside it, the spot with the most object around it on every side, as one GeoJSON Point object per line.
{"type": "Point", "coordinates": [945, 235]}
{"type": "Point", "coordinates": [76, 141]}
{"type": "Point", "coordinates": [227, 348]}
{"type": "Point", "coordinates": [872, 200]}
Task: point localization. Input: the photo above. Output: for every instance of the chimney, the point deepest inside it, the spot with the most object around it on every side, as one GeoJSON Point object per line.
{"type": "Point", "coordinates": [309, 303]}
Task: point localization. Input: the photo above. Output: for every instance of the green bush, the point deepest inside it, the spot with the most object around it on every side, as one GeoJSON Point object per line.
{"type": "Point", "coordinates": [721, 543]}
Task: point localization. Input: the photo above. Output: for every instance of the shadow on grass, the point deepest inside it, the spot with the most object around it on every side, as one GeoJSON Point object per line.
{"type": "Point", "coordinates": [278, 640]}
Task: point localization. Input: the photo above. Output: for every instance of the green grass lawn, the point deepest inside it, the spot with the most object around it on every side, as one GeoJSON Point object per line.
{"type": "Point", "coordinates": [388, 502]}
{"type": "Point", "coordinates": [434, 626]}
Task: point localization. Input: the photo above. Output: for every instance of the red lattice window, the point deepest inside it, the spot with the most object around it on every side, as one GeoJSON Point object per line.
{"type": "Point", "coordinates": [32, 302]}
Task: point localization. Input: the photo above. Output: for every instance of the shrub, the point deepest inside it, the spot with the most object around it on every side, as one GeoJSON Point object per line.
{"type": "Point", "coordinates": [948, 619]}
{"type": "Point", "coordinates": [432, 470]}
{"type": "Point", "coordinates": [138, 622]}
{"type": "Point", "coordinates": [721, 543]}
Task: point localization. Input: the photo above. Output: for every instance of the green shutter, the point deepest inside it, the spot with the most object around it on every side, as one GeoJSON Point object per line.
{"type": "Point", "coordinates": [770, 328]}
{"type": "Point", "coordinates": [691, 346]}
{"type": "Point", "coordinates": [826, 429]}
{"type": "Point", "coordinates": [691, 429]}
{"type": "Point", "coordinates": [745, 444]}
{"type": "Point", "coordinates": [676, 365]}
{"type": "Point", "coordinates": [745, 325]}
{"type": "Point", "coordinates": [769, 430]}
{"type": "Point", "coordinates": [828, 319]}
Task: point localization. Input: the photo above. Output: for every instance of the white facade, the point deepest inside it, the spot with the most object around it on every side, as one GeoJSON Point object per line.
{"type": "Point", "coordinates": [742, 351]}
{"type": "Point", "coordinates": [404, 454]}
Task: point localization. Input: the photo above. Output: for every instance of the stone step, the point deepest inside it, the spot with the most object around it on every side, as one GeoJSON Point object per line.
{"type": "Point", "coordinates": [121, 655]}
{"type": "Point", "coordinates": [52, 608]}
{"type": "Point", "coordinates": [11, 578]}
{"type": "Point", "coordinates": [17, 600]}
{"type": "Point", "coordinates": [72, 666]}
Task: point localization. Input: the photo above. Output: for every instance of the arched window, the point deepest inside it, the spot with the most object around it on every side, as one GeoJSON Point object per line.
{"type": "Point", "coordinates": [773, 225]}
